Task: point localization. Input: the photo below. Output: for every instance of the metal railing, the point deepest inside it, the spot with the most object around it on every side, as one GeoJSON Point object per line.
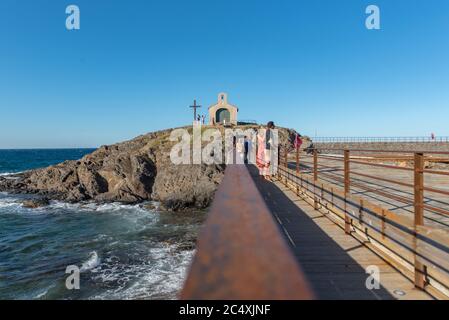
{"type": "Point", "coordinates": [241, 253]}
{"type": "Point", "coordinates": [247, 122]}
{"type": "Point", "coordinates": [389, 205]}
{"type": "Point", "coordinates": [379, 139]}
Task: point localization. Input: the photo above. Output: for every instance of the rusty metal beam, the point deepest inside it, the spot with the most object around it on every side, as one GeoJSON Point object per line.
{"type": "Point", "coordinates": [347, 186]}
{"type": "Point", "coordinates": [297, 160]}
{"type": "Point", "coordinates": [241, 253]}
{"type": "Point", "coordinates": [385, 151]}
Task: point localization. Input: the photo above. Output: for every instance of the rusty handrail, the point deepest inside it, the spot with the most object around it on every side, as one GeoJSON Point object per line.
{"type": "Point", "coordinates": [437, 172]}
{"type": "Point", "coordinates": [381, 165]}
{"type": "Point", "coordinates": [385, 151]}
{"type": "Point", "coordinates": [426, 139]}
{"type": "Point", "coordinates": [241, 253]}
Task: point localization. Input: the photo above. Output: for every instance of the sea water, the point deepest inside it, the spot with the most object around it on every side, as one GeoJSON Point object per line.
{"type": "Point", "coordinates": [122, 251]}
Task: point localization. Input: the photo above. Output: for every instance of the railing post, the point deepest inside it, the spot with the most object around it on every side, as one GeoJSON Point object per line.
{"type": "Point", "coordinates": [286, 166]}
{"type": "Point", "coordinates": [279, 155]}
{"type": "Point", "coordinates": [286, 158]}
{"type": "Point", "coordinates": [279, 163]}
{"type": "Point", "coordinates": [315, 177]}
{"type": "Point", "coordinates": [347, 189]}
{"type": "Point", "coordinates": [419, 216]}
{"type": "Point", "coordinates": [297, 160]}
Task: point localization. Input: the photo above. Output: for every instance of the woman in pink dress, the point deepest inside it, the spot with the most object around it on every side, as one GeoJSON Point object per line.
{"type": "Point", "coordinates": [264, 144]}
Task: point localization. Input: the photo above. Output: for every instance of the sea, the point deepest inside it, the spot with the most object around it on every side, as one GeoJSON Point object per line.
{"type": "Point", "coordinates": [121, 251]}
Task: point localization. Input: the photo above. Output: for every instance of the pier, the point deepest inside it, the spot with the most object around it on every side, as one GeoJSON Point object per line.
{"type": "Point", "coordinates": [323, 225]}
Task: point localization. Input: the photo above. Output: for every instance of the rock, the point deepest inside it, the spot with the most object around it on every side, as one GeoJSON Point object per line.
{"type": "Point", "coordinates": [129, 172]}
{"type": "Point", "coordinates": [36, 203]}
{"type": "Point", "coordinates": [186, 186]}
{"type": "Point", "coordinates": [153, 206]}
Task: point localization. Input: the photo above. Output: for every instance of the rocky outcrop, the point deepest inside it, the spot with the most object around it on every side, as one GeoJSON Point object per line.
{"type": "Point", "coordinates": [36, 203]}
{"type": "Point", "coordinates": [129, 172]}
{"type": "Point", "coordinates": [184, 186]}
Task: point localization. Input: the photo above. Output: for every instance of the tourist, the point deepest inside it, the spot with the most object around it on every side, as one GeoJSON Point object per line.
{"type": "Point", "coordinates": [264, 146]}
{"type": "Point", "coordinates": [240, 150]}
{"type": "Point", "coordinates": [298, 141]}
{"type": "Point", "coordinates": [247, 147]}
{"type": "Point", "coordinates": [203, 118]}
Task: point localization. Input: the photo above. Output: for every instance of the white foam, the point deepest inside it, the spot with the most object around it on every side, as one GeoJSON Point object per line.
{"type": "Point", "coordinates": [92, 206]}
{"type": "Point", "coordinates": [6, 174]}
{"type": "Point", "coordinates": [161, 276]}
{"type": "Point", "coordinates": [149, 270]}
{"type": "Point", "coordinates": [43, 293]}
{"type": "Point", "coordinates": [90, 263]}
{"type": "Point", "coordinates": [132, 213]}
{"type": "Point", "coordinates": [9, 202]}
{"type": "Point", "coordinates": [40, 295]}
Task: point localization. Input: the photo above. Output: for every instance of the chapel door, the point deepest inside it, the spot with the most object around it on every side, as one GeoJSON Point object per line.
{"type": "Point", "coordinates": [223, 115]}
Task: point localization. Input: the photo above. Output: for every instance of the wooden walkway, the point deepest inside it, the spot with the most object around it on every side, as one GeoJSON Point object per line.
{"type": "Point", "coordinates": [333, 262]}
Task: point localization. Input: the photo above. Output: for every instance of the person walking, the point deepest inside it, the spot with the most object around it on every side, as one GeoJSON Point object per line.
{"type": "Point", "coordinates": [298, 141]}
{"type": "Point", "coordinates": [264, 148]}
{"type": "Point", "coordinates": [247, 147]}
{"type": "Point", "coordinates": [240, 150]}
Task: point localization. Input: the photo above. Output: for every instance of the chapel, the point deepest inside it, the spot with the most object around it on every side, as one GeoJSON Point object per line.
{"type": "Point", "coordinates": [223, 112]}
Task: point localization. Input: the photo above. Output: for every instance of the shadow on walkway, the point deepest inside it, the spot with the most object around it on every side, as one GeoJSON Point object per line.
{"type": "Point", "coordinates": [332, 272]}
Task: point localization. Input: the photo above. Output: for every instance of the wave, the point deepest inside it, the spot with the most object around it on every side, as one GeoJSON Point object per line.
{"type": "Point", "coordinates": [93, 206]}
{"type": "Point", "coordinates": [41, 295]}
{"type": "Point", "coordinates": [158, 275]}
{"type": "Point", "coordinates": [6, 174]}
{"type": "Point", "coordinates": [92, 262]}
{"type": "Point", "coordinates": [16, 202]}
{"type": "Point", "coordinates": [7, 201]}
{"type": "Point", "coordinates": [126, 251]}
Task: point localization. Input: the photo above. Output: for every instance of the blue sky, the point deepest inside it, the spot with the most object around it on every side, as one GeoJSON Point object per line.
{"type": "Point", "coordinates": [136, 65]}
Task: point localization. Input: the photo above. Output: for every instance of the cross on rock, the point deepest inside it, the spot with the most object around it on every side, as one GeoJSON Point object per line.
{"type": "Point", "coordinates": [195, 106]}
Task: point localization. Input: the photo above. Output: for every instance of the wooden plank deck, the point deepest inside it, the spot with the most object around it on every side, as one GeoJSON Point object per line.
{"type": "Point", "coordinates": [333, 262]}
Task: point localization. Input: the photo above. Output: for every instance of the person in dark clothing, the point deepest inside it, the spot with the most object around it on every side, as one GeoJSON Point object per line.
{"type": "Point", "coordinates": [310, 149]}
{"type": "Point", "coordinates": [269, 135]}
{"type": "Point", "coordinates": [246, 149]}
